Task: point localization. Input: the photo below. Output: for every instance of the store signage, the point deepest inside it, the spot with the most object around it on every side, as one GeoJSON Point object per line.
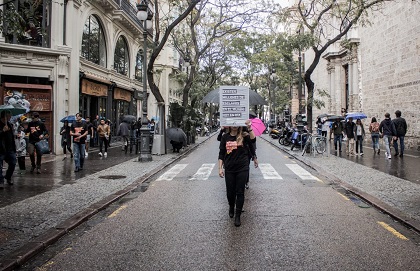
{"type": "Point", "coordinates": [234, 105]}
{"type": "Point", "coordinates": [122, 94]}
{"type": "Point", "coordinates": [94, 89]}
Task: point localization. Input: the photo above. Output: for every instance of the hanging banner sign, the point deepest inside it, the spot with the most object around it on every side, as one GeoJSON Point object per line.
{"type": "Point", "coordinates": [234, 105]}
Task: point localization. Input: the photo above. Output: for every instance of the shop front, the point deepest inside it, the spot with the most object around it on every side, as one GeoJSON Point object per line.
{"type": "Point", "coordinates": [34, 97]}
{"type": "Point", "coordinates": [123, 104]}
{"type": "Point", "coordinates": [93, 98]}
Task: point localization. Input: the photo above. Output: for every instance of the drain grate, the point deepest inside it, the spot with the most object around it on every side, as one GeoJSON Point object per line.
{"type": "Point", "coordinates": [112, 177]}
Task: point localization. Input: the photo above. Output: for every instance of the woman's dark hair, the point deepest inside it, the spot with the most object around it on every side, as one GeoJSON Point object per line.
{"type": "Point", "coordinates": [373, 119]}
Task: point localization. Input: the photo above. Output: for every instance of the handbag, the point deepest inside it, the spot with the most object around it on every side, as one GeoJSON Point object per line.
{"type": "Point", "coordinates": [42, 147]}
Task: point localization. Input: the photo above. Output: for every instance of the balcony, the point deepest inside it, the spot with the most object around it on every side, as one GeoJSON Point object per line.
{"type": "Point", "coordinates": [126, 14]}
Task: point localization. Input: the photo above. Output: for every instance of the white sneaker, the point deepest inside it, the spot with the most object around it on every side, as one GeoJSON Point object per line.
{"type": "Point", "coordinates": [86, 155]}
{"type": "Point", "coordinates": [389, 156]}
{"type": "Point", "coordinates": [100, 154]}
{"type": "Point", "coordinates": [105, 154]}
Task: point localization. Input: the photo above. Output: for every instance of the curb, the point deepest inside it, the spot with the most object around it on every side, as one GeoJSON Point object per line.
{"type": "Point", "coordinates": [377, 203]}
{"type": "Point", "coordinates": [26, 252]}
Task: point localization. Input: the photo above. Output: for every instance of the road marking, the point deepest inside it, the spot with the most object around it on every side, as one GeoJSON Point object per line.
{"type": "Point", "coordinates": [392, 230]}
{"type": "Point", "coordinates": [116, 212]}
{"type": "Point", "coordinates": [269, 172]}
{"type": "Point", "coordinates": [170, 174]}
{"type": "Point", "coordinates": [301, 172]}
{"type": "Point", "coordinates": [203, 172]}
{"type": "Point", "coordinates": [346, 198]}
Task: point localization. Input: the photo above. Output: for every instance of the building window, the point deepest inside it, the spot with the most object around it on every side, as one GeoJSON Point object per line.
{"type": "Point", "coordinates": [93, 42]}
{"type": "Point", "coordinates": [139, 65]}
{"type": "Point", "coordinates": [121, 60]}
{"type": "Point", "coordinates": [27, 22]}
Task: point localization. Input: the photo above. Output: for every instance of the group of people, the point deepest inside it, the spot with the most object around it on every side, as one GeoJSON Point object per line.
{"type": "Point", "coordinates": [392, 131]}
{"type": "Point", "coordinates": [236, 150]}
{"type": "Point", "coordinates": [14, 146]}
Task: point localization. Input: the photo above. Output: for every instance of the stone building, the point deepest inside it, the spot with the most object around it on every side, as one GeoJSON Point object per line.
{"type": "Point", "coordinates": [76, 56]}
{"type": "Point", "coordinates": [379, 71]}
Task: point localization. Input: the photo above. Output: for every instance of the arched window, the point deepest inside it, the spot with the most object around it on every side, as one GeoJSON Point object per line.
{"type": "Point", "coordinates": [93, 42]}
{"type": "Point", "coordinates": [121, 60]}
{"type": "Point", "coordinates": [139, 65]}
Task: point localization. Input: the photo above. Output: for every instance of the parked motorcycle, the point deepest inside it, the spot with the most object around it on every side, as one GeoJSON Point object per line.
{"type": "Point", "coordinates": [286, 136]}
{"type": "Point", "coordinates": [275, 133]}
{"type": "Point", "coordinates": [299, 139]}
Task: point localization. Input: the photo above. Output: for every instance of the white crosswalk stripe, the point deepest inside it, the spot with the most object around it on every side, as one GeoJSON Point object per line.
{"type": "Point", "coordinates": [203, 172]}
{"type": "Point", "coordinates": [269, 173]}
{"type": "Point", "coordinates": [301, 172]}
{"type": "Point", "coordinates": [171, 173]}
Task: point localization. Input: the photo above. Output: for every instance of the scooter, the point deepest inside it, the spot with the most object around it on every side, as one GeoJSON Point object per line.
{"type": "Point", "coordinates": [285, 137]}
{"type": "Point", "coordinates": [299, 139]}
{"type": "Point", "coordinates": [275, 133]}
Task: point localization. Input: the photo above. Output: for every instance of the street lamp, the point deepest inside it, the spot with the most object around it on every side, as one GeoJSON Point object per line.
{"type": "Point", "coordinates": [145, 15]}
{"type": "Point", "coordinates": [273, 78]}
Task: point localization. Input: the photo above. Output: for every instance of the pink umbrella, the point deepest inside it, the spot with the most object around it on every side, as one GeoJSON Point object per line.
{"type": "Point", "coordinates": [257, 126]}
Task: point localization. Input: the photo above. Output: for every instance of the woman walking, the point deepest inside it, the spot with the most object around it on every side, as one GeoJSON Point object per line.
{"type": "Point", "coordinates": [235, 146]}
{"type": "Point", "coordinates": [66, 139]}
{"type": "Point", "coordinates": [21, 149]}
{"type": "Point", "coordinates": [360, 135]}
{"type": "Point", "coordinates": [103, 131]}
{"type": "Point", "coordinates": [374, 131]}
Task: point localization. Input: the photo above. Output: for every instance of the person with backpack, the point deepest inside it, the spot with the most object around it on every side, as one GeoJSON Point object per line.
{"type": "Point", "coordinates": [387, 129]}
{"type": "Point", "coordinates": [374, 132]}
{"type": "Point", "coordinates": [401, 128]}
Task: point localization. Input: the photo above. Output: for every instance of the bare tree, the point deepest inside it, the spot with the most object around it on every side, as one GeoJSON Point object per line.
{"type": "Point", "coordinates": [335, 17]}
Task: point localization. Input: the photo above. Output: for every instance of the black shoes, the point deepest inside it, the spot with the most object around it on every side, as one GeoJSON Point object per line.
{"type": "Point", "coordinates": [76, 169]}
{"type": "Point", "coordinates": [32, 169]}
{"type": "Point", "coordinates": [396, 154]}
{"type": "Point", "coordinates": [231, 211]}
{"type": "Point", "coordinates": [9, 181]}
{"type": "Point", "coordinates": [401, 155]}
{"type": "Point", "coordinates": [247, 186]}
{"type": "Point", "coordinates": [238, 220]}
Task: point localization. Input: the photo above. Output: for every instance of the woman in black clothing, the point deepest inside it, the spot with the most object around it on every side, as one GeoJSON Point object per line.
{"type": "Point", "coordinates": [235, 147]}
{"type": "Point", "coordinates": [66, 139]}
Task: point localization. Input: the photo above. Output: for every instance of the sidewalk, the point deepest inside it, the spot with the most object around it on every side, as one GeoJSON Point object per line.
{"type": "Point", "coordinates": [31, 224]}
{"type": "Point", "coordinates": [397, 197]}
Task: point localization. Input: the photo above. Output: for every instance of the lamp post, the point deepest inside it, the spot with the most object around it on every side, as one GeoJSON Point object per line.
{"type": "Point", "coordinates": [145, 15]}
{"type": "Point", "coordinates": [273, 78]}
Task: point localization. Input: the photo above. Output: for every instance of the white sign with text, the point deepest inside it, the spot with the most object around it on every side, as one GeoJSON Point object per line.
{"type": "Point", "coordinates": [234, 105]}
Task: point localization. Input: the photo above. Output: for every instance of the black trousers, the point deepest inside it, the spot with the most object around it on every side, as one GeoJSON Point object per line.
{"type": "Point", "coordinates": [21, 162]}
{"type": "Point", "coordinates": [235, 188]}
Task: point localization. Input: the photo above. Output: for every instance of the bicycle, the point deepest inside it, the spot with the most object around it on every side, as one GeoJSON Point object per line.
{"type": "Point", "coordinates": [315, 143]}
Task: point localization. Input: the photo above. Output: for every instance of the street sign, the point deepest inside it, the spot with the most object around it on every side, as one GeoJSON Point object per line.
{"type": "Point", "coordinates": [234, 105]}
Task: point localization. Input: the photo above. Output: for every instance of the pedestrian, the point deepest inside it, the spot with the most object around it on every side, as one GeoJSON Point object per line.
{"type": "Point", "coordinates": [319, 126]}
{"type": "Point", "coordinates": [349, 130]}
{"type": "Point", "coordinates": [388, 132]}
{"type": "Point", "coordinates": [37, 131]}
{"type": "Point", "coordinates": [7, 148]}
{"type": "Point", "coordinates": [234, 166]}
{"type": "Point", "coordinates": [253, 138]}
{"type": "Point", "coordinates": [223, 130]}
{"type": "Point", "coordinates": [20, 143]}
{"type": "Point", "coordinates": [124, 132]}
{"type": "Point", "coordinates": [79, 131]}
{"type": "Point", "coordinates": [66, 139]}
{"type": "Point", "coordinates": [337, 129]}
{"type": "Point", "coordinates": [96, 123]}
{"type": "Point", "coordinates": [374, 131]}
{"type": "Point", "coordinates": [89, 135]}
{"type": "Point", "coordinates": [103, 132]}
{"type": "Point", "coordinates": [360, 136]}
{"type": "Point", "coordinates": [401, 128]}
{"type": "Point", "coordinates": [110, 129]}
{"type": "Point", "coordinates": [324, 129]}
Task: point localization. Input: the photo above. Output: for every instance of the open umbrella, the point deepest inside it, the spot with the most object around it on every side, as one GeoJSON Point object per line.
{"type": "Point", "coordinates": [129, 118]}
{"type": "Point", "coordinates": [334, 118]}
{"type": "Point", "coordinates": [254, 98]}
{"type": "Point", "coordinates": [257, 126]}
{"type": "Point", "coordinates": [15, 109]}
{"type": "Point", "coordinates": [356, 115]}
{"type": "Point", "coordinates": [176, 134]}
{"type": "Point", "coordinates": [70, 118]}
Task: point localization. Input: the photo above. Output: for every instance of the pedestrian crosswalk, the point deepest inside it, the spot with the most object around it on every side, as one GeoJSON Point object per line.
{"type": "Point", "coordinates": [267, 171]}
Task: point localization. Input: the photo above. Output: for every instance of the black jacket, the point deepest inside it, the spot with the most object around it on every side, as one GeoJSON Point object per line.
{"type": "Point", "coordinates": [35, 129]}
{"type": "Point", "coordinates": [400, 126]}
{"type": "Point", "coordinates": [387, 128]}
{"type": "Point", "coordinates": [7, 139]}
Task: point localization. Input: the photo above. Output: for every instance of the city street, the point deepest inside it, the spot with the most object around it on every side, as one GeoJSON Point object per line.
{"type": "Point", "coordinates": [294, 219]}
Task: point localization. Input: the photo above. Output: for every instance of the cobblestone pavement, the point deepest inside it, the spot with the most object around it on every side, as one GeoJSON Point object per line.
{"type": "Point", "coordinates": [396, 196]}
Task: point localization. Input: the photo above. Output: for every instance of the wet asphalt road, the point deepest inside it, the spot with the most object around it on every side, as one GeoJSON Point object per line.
{"type": "Point", "coordinates": [290, 223]}
{"type": "Point", "coordinates": [59, 172]}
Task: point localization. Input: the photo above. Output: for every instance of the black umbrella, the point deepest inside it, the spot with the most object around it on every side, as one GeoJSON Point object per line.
{"type": "Point", "coordinates": [129, 118]}
{"type": "Point", "coordinates": [176, 134]}
{"type": "Point", "coordinates": [254, 98]}
{"type": "Point", "coordinates": [334, 117]}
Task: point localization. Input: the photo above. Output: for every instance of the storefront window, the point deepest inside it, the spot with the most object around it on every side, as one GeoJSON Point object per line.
{"type": "Point", "coordinates": [139, 65]}
{"type": "Point", "coordinates": [121, 60]}
{"type": "Point", "coordinates": [27, 22]}
{"type": "Point", "coordinates": [93, 42]}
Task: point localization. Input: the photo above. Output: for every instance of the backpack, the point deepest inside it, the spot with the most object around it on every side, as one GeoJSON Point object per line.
{"type": "Point", "coordinates": [375, 127]}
